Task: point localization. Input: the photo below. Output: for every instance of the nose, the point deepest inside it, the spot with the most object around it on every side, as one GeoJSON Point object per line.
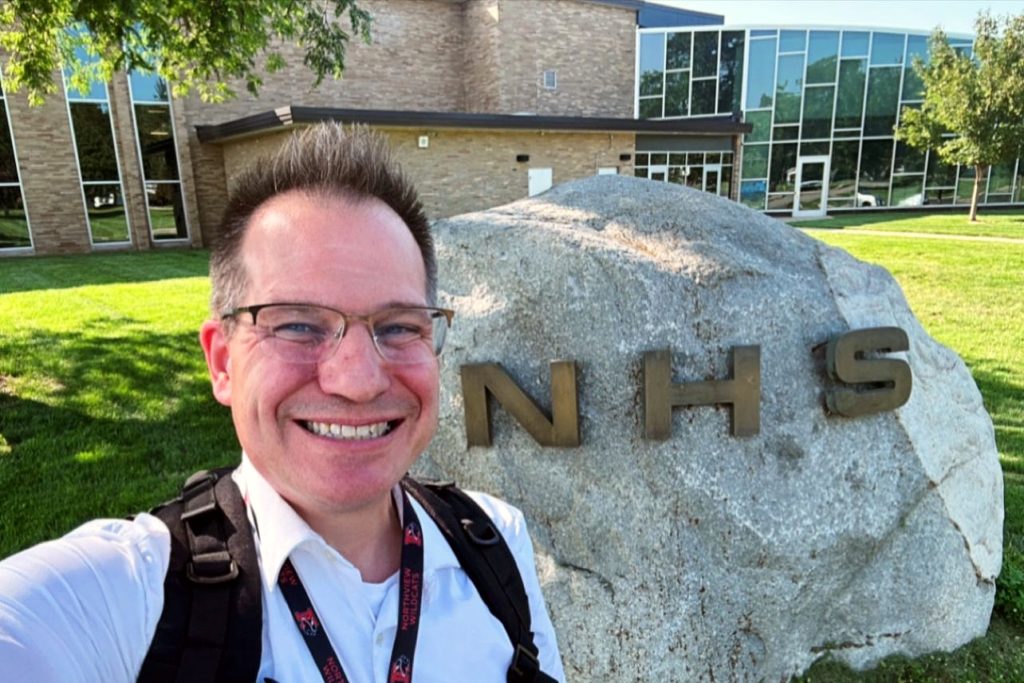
{"type": "Point", "coordinates": [355, 371]}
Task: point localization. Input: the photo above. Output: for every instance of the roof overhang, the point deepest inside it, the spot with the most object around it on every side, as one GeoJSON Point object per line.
{"type": "Point", "coordinates": [284, 118]}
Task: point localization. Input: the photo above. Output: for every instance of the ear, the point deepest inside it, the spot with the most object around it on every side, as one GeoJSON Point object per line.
{"type": "Point", "coordinates": [218, 359]}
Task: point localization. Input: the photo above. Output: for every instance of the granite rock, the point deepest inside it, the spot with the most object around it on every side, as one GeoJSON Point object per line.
{"type": "Point", "coordinates": [709, 556]}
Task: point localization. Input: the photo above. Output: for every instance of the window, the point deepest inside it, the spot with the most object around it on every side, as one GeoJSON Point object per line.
{"type": "Point", "coordinates": [883, 100]}
{"type": "Point", "coordinates": [939, 174]}
{"type": "Point", "coordinates": [705, 54]}
{"type": "Point", "coordinates": [843, 170]}
{"type": "Point", "coordinates": [761, 79]}
{"type": "Point", "coordinates": [14, 228]}
{"type": "Point", "coordinates": [652, 75]}
{"type": "Point", "coordinates": [550, 79]}
{"type": "Point", "coordinates": [908, 159]}
{"type": "Point", "coordinates": [752, 193]}
{"type": "Point", "coordinates": [822, 55]}
{"type": "Point", "coordinates": [855, 44]}
{"type": "Point", "coordinates": [762, 123]}
{"type": "Point", "coordinates": [730, 72]}
{"type": "Point", "coordinates": [908, 190]}
{"type": "Point", "coordinates": [887, 48]}
{"type": "Point", "coordinates": [158, 153]}
{"type": "Point", "coordinates": [677, 93]}
{"type": "Point", "coordinates": [792, 41]}
{"type": "Point", "coordinates": [703, 97]}
{"type": "Point", "coordinates": [98, 165]}
{"type": "Point", "coordinates": [850, 98]}
{"type": "Point", "coordinates": [755, 161]}
{"type": "Point", "coordinates": [788, 88]}
{"type": "Point", "coordinates": [875, 170]}
{"type": "Point", "coordinates": [678, 52]}
{"type": "Point", "coordinates": [782, 174]}
{"type": "Point", "coordinates": [652, 60]}
{"type": "Point", "coordinates": [817, 119]}
{"type": "Point", "coordinates": [913, 87]}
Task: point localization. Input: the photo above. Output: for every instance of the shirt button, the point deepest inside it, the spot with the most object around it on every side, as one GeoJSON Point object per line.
{"type": "Point", "coordinates": [379, 640]}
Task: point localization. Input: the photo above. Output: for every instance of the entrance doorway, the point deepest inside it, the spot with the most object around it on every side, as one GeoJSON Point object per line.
{"type": "Point", "coordinates": [811, 198]}
{"type": "Point", "coordinates": [712, 178]}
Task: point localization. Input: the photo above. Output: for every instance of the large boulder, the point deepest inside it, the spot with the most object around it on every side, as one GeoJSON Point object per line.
{"type": "Point", "coordinates": [709, 556]}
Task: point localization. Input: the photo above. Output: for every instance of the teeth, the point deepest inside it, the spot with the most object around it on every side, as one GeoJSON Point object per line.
{"type": "Point", "coordinates": [341, 432]}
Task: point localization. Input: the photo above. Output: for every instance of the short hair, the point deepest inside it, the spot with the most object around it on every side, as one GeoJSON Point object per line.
{"type": "Point", "coordinates": [323, 160]}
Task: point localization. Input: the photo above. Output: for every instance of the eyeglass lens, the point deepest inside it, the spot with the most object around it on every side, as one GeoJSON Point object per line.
{"type": "Point", "coordinates": [311, 334]}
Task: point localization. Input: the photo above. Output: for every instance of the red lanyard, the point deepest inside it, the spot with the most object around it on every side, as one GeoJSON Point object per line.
{"type": "Point", "coordinates": [410, 594]}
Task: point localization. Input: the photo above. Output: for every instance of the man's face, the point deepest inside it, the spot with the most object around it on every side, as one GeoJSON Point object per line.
{"type": "Point", "coordinates": [354, 256]}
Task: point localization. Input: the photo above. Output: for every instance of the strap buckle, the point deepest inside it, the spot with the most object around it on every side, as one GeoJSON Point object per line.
{"type": "Point", "coordinates": [211, 568]}
{"type": "Point", "coordinates": [525, 664]}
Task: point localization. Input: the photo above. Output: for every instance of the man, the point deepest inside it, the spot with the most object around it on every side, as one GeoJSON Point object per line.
{"type": "Point", "coordinates": [323, 342]}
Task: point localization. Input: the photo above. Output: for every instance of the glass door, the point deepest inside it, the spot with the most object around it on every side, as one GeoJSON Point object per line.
{"type": "Point", "coordinates": [712, 178]}
{"type": "Point", "coordinates": [811, 197]}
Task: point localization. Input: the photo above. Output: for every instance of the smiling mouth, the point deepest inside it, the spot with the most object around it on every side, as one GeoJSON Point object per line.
{"type": "Point", "coordinates": [333, 430]}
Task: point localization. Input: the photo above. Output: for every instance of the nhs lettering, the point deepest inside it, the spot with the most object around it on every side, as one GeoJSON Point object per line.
{"type": "Point", "coordinates": [859, 382]}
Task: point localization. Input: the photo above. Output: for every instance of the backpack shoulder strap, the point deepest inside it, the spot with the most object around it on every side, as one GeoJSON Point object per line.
{"type": "Point", "coordinates": [490, 565]}
{"type": "Point", "coordinates": [212, 622]}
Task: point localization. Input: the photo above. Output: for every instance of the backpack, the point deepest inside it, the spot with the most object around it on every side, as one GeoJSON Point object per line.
{"type": "Point", "coordinates": [212, 622]}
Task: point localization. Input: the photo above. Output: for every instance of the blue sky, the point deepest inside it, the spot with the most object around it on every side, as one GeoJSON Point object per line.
{"type": "Point", "coordinates": [955, 16]}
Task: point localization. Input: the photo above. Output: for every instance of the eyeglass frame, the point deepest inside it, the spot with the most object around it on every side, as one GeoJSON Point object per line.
{"type": "Point", "coordinates": [346, 318]}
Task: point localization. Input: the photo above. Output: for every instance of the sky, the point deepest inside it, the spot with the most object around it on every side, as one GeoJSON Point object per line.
{"type": "Point", "coordinates": [954, 16]}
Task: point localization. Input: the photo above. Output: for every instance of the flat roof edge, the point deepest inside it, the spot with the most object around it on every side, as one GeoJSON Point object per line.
{"type": "Point", "coordinates": [284, 117]}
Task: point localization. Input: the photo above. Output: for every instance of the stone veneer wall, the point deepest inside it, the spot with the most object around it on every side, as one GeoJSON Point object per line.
{"type": "Point", "coordinates": [463, 171]}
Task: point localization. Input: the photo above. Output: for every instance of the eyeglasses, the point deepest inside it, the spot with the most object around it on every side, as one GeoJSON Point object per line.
{"type": "Point", "coordinates": [308, 334]}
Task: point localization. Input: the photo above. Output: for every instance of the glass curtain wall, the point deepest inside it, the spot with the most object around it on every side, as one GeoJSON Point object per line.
{"type": "Point", "coordinates": [832, 93]}
{"type": "Point", "coordinates": [14, 228]}
{"type": "Point", "coordinates": [98, 163]}
{"type": "Point", "coordinates": [158, 156]}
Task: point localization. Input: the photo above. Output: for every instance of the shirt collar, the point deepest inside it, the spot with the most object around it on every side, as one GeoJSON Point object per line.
{"type": "Point", "coordinates": [281, 530]}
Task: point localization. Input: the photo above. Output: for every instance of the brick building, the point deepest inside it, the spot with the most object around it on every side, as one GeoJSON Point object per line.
{"type": "Point", "coordinates": [484, 102]}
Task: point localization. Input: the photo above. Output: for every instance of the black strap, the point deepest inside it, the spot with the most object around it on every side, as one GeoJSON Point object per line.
{"type": "Point", "coordinates": [202, 637]}
{"type": "Point", "coordinates": [490, 565]}
{"type": "Point", "coordinates": [211, 625]}
{"type": "Point", "coordinates": [410, 599]}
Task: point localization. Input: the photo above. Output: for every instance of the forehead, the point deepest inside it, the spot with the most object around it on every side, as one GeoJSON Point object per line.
{"type": "Point", "coordinates": [323, 249]}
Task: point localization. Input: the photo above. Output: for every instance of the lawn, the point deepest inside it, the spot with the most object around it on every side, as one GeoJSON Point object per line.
{"type": "Point", "coordinates": [991, 222]}
{"type": "Point", "coordinates": [105, 404]}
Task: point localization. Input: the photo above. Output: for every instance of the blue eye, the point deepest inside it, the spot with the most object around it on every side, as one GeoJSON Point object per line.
{"type": "Point", "coordinates": [299, 332]}
{"type": "Point", "coordinates": [398, 333]}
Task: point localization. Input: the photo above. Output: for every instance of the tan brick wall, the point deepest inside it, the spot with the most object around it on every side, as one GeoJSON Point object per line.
{"type": "Point", "coordinates": [414, 62]}
{"type": "Point", "coordinates": [127, 150]}
{"type": "Point", "coordinates": [49, 174]}
{"type": "Point", "coordinates": [480, 67]}
{"type": "Point", "coordinates": [464, 171]}
{"type": "Point", "coordinates": [590, 47]}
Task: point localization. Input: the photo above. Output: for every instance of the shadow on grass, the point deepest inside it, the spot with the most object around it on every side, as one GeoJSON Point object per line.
{"type": "Point", "coordinates": [61, 272]}
{"type": "Point", "coordinates": [109, 425]}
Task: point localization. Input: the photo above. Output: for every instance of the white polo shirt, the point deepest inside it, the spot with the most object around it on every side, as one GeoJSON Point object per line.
{"type": "Point", "coordinates": [84, 607]}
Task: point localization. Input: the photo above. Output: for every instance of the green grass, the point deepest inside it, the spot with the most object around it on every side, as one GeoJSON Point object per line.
{"type": "Point", "coordinates": [105, 404]}
{"type": "Point", "coordinates": [991, 223]}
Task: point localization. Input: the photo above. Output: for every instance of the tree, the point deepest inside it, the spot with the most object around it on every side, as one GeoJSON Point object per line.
{"type": "Point", "coordinates": [973, 110]}
{"type": "Point", "coordinates": [198, 44]}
